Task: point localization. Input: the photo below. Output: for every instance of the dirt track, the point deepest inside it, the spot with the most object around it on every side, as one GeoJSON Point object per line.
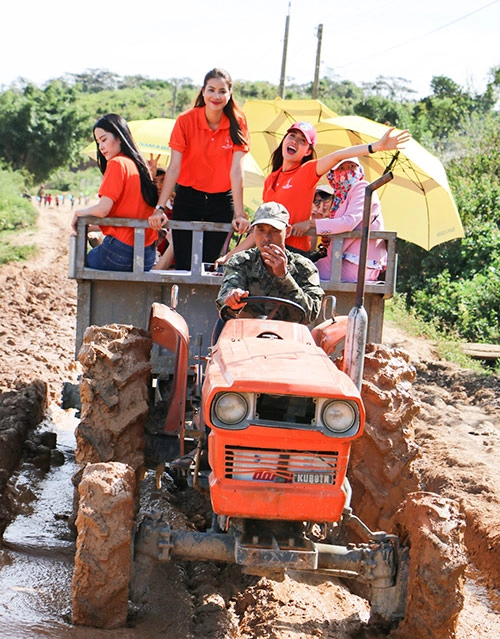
{"type": "Point", "coordinates": [457, 431]}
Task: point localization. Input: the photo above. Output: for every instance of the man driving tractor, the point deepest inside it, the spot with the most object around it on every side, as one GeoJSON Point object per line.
{"type": "Point", "coordinates": [270, 269]}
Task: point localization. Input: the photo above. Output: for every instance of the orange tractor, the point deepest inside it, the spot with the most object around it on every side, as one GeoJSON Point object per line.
{"type": "Point", "coordinates": [274, 426]}
{"type": "Point", "coordinates": [264, 420]}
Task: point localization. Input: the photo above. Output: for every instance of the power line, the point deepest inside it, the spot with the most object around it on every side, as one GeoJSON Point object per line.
{"type": "Point", "coordinates": [424, 35]}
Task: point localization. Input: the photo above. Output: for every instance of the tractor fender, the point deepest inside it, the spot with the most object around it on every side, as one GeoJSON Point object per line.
{"type": "Point", "coordinates": [170, 330]}
{"type": "Point", "coordinates": [330, 333]}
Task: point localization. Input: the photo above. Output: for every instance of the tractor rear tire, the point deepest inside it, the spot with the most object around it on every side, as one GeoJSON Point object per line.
{"type": "Point", "coordinates": [432, 527]}
{"type": "Point", "coordinates": [103, 559]}
{"type": "Point", "coordinates": [114, 392]}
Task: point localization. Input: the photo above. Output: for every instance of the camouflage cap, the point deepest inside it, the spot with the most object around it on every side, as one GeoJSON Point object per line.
{"type": "Point", "coordinates": [272, 213]}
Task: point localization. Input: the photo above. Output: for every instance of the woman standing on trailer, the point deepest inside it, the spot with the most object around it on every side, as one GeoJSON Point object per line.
{"type": "Point", "coordinates": [208, 145]}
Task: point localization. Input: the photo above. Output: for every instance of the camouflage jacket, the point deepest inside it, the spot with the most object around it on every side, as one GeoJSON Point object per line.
{"type": "Point", "coordinates": [247, 271]}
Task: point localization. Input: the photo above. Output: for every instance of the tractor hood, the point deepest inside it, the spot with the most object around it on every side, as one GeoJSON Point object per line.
{"type": "Point", "coordinates": [272, 356]}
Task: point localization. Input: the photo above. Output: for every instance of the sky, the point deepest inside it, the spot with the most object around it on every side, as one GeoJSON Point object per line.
{"type": "Point", "coordinates": [410, 39]}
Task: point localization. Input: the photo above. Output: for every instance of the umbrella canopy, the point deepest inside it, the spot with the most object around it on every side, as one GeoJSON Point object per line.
{"type": "Point", "coordinates": [152, 138]}
{"type": "Point", "coordinates": [269, 120]}
{"type": "Point", "coordinates": [417, 203]}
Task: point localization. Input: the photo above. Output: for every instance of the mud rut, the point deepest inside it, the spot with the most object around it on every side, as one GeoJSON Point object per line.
{"type": "Point", "coordinates": [209, 600]}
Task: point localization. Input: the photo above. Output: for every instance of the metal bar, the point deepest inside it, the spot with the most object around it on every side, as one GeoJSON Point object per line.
{"type": "Point", "coordinates": [365, 235]}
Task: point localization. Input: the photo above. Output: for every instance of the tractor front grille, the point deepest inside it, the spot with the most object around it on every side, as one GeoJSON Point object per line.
{"type": "Point", "coordinates": [281, 466]}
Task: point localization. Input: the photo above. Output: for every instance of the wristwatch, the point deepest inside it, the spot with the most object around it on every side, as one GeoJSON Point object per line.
{"type": "Point", "coordinates": [159, 207]}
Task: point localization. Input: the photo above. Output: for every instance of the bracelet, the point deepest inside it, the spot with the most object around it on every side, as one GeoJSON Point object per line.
{"type": "Point", "coordinates": [371, 149]}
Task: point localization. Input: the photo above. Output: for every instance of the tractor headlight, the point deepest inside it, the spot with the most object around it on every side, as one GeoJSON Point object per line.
{"type": "Point", "coordinates": [230, 408]}
{"type": "Point", "coordinates": [338, 416]}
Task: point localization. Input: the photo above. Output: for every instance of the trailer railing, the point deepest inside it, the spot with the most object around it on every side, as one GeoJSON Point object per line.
{"type": "Point", "coordinates": [107, 297]}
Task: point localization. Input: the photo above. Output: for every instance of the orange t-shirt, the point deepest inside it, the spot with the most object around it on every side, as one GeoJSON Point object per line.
{"type": "Point", "coordinates": [122, 184]}
{"type": "Point", "coordinates": [295, 190]}
{"type": "Point", "coordinates": [206, 155]}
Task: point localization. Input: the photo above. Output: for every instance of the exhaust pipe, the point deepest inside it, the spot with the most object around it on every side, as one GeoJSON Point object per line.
{"type": "Point", "coordinates": [357, 320]}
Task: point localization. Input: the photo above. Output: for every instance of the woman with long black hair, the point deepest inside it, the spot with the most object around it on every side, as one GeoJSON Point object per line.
{"type": "Point", "coordinates": [208, 144]}
{"type": "Point", "coordinates": [126, 190]}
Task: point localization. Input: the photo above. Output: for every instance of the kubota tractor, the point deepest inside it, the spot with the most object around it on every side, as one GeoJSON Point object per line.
{"type": "Point", "coordinates": [265, 420]}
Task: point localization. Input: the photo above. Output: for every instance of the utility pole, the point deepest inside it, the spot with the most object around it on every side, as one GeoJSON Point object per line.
{"type": "Point", "coordinates": [318, 61]}
{"type": "Point", "coordinates": [283, 60]}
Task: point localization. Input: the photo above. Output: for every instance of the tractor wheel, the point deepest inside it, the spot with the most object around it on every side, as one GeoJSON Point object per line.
{"type": "Point", "coordinates": [387, 496]}
{"type": "Point", "coordinates": [114, 392]}
{"type": "Point", "coordinates": [432, 527]}
{"type": "Point", "coordinates": [381, 466]}
{"type": "Point", "coordinates": [103, 558]}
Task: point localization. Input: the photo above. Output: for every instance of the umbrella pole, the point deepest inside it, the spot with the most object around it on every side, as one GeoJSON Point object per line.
{"type": "Point", "coordinates": [357, 320]}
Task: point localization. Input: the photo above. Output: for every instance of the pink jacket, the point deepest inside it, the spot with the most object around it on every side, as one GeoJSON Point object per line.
{"type": "Point", "coordinates": [349, 217]}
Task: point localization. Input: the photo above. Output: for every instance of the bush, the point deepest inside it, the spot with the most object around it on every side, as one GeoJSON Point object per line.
{"type": "Point", "coordinates": [469, 307]}
{"type": "Point", "coordinates": [16, 211]}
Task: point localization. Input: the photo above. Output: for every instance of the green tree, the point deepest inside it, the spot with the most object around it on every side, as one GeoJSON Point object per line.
{"type": "Point", "coordinates": [41, 130]}
{"type": "Point", "coordinates": [456, 284]}
{"type": "Point", "coordinates": [392, 88]}
{"type": "Point", "coordinates": [94, 80]}
{"type": "Point", "coordinates": [384, 110]}
{"type": "Point", "coordinates": [448, 110]}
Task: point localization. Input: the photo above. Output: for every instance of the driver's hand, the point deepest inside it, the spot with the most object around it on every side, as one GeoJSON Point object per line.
{"type": "Point", "coordinates": [234, 297]}
{"type": "Point", "coordinates": [275, 257]}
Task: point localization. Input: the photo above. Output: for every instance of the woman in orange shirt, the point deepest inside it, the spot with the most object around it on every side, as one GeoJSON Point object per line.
{"type": "Point", "coordinates": [296, 172]}
{"type": "Point", "coordinates": [208, 144]}
{"type": "Point", "coordinates": [126, 190]}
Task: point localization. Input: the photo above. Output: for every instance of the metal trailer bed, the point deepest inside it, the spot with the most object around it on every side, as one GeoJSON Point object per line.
{"type": "Point", "coordinates": [107, 297]}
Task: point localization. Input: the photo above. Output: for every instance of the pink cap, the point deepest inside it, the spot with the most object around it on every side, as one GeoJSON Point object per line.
{"type": "Point", "coordinates": [307, 129]}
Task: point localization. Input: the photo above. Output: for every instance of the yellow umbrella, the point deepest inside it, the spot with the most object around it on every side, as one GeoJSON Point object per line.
{"type": "Point", "coordinates": [152, 138]}
{"type": "Point", "coordinates": [269, 120]}
{"type": "Point", "coordinates": [417, 203]}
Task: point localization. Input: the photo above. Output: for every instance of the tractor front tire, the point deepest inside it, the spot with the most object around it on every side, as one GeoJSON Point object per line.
{"type": "Point", "coordinates": [432, 527]}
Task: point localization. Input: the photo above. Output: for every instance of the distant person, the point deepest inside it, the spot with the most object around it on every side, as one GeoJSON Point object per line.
{"type": "Point", "coordinates": [41, 194]}
{"type": "Point", "coordinates": [126, 190]}
{"type": "Point", "coordinates": [270, 269]}
{"type": "Point", "coordinates": [208, 144]}
{"type": "Point", "coordinates": [348, 183]}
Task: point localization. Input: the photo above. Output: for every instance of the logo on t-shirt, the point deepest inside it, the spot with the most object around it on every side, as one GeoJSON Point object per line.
{"type": "Point", "coordinates": [288, 185]}
{"type": "Point", "coordinates": [227, 144]}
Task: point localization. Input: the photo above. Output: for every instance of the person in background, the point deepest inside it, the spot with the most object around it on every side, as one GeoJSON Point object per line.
{"type": "Point", "coordinates": [164, 245]}
{"type": "Point", "coordinates": [208, 144]}
{"type": "Point", "coordinates": [126, 190]}
{"type": "Point", "coordinates": [348, 183]}
{"type": "Point", "coordinates": [270, 269]}
{"type": "Point", "coordinates": [296, 171]}
{"type": "Point", "coordinates": [322, 204]}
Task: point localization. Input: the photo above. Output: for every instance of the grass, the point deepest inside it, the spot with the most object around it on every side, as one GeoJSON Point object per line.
{"type": "Point", "coordinates": [13, 253]}
{"type": "Point", "coordinates": [448, 346]}
{"type": "Point", "coordinates": [17, 214]}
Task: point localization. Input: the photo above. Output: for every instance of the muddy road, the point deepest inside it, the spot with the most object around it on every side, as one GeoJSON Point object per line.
{"type": "Point", "coordinates": [457, 431]}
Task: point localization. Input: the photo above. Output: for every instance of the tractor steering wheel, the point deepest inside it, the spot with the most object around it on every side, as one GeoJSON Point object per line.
{"type": "Point", "coordinates": [226, 312]}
